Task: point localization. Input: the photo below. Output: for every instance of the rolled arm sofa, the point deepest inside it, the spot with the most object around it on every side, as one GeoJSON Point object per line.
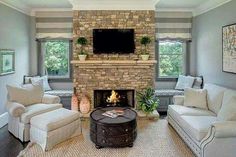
{"type": "Point", "coordinates": [20, 115]}
{"type": "Point", "coordinates": [202, 130]}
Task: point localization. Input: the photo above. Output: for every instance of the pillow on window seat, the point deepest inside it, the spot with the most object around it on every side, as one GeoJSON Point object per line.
{"type": "Point", "coordinates": [46, 86]}
{"type": "Point", "coordinates": [184, 82]}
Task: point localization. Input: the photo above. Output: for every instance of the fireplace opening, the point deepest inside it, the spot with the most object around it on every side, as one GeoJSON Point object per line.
{"type": "Point", "coordinates": [118, 98]}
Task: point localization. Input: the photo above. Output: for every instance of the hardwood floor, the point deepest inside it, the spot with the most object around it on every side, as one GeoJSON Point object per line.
{"type": "Point", "coordinates": [9, 145]}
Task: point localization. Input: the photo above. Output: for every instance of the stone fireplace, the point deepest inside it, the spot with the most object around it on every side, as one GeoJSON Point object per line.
{"type": "Point", "coordinates": [113, 71]}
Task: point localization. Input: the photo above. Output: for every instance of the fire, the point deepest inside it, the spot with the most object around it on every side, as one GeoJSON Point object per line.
{"type": "Point", "coordinates": [114, 98]}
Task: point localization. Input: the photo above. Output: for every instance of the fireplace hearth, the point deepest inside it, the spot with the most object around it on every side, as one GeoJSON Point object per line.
{"type": "Point", "coordinates": [118, 98]}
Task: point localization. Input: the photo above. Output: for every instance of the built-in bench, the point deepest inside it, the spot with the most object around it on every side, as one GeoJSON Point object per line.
{"type": "Point", "coordinates": [165, 96]}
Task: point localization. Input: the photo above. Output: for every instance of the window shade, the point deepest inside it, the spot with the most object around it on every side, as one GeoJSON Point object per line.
{"type": "Point", "coordinates": [174, 25]}
{"type": "Point", "coordinates": [54, 24]}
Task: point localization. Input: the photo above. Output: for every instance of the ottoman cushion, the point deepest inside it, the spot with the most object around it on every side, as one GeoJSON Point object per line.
{"type": "Point", "coordinates": [54, 119]}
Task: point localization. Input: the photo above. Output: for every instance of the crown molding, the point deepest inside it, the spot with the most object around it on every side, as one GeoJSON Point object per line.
{"type": "Point", "coordinates": [24, 9]}
{"type": "Point", "coordinates": [114, 4]}
{"type": "Point", "coordinates": [209, 5]}
{"type": "Point", "coordinates": [175, 9]}
{"type": "Point", "coordinates": [34, 10]}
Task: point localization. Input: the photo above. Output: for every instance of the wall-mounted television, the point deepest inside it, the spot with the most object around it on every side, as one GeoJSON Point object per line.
{"type": "Point", "coordinates": [113, 41]}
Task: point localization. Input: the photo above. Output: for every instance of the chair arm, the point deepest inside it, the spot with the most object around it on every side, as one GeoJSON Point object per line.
{"type": "Point", "coordinates": [178, 100]}
{"type": "Point", "coordinates": [50, 99]}
{"type": "Point", "coordinates": [15, 109]}
{"type": "Point", "coordinates": [224, 129]}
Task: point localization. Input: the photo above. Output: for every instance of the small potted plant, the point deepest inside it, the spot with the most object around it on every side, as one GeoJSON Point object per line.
{"type": "Point", "coordinates": [147, 101]}
{"type": "Point", "coordinates": [144, 42]}
{"type": "Point", "coordinates": [82, 41]}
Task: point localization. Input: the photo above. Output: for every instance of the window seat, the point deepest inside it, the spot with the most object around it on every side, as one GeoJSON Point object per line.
{"type": "Point", "coordinates": [168, 92]}
{"type": "Point", "coordinates": [60, 93]}
{"type": "Point", "coordinates": [166, 97]}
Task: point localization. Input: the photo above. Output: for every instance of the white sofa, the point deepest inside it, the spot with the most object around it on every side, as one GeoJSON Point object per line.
{"type": "Point", "coordinates": [202, 131]}
{"type": "Point", "coordinates": [20, 115]}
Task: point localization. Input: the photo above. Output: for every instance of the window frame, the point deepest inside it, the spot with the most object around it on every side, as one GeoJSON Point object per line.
{"type": "Point", "coordinates": [40, 56]}
{"type": "Point", "coordinates": [185, 63]}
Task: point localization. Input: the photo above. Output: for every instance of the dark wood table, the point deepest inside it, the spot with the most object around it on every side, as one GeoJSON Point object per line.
{"type": "Point", "coordinates": [113, 132]}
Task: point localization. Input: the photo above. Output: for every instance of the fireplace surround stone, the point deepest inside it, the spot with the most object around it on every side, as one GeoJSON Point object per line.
{"type": "Point", "coordinates": [113, 71]}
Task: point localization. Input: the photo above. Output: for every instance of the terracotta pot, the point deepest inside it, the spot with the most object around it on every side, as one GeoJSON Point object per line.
{"type": "Point", "coordinates": [82, 57]}
{"type": "Point", "coordinates": [85, 104]}
{"type": "Point", "coordinates": [144, 57]}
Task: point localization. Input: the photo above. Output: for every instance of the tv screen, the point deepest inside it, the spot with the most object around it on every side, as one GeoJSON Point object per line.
{"type": "Point", "coordinates": [113, 41]}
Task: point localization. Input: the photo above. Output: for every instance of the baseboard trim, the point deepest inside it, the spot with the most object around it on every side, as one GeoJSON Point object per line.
{"type": "Point", "coordinates": [3, 119]}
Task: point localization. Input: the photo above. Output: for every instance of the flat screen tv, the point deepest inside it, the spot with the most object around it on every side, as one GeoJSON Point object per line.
{"type": "Point", "coordinates": [113, 41]}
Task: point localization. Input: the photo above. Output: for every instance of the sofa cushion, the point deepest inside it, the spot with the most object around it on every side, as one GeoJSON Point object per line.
{"type": "Point", "coordinates": [37, 109]}
{"type": "Point", "coordinates": [55, 119]}
{"type": "Point", "coordinates": [197, 126]}
{"type": "Point", "coordinates": [228, 110]}
{"type": "Point", "coordinates": [195, 98]}
{"type": "Point", "coordinates": [214, 97]}
{"type": "Point", "coordinates": [26, 95]}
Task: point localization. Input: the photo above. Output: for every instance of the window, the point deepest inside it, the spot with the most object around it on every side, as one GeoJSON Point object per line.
{"type": "Point", "coordinates": [56, 58]}
{"type": "Point", "coordinates": [171, 59]}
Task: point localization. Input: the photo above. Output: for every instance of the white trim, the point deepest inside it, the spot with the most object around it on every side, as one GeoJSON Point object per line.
{"type": "Point", "coordinates": [24, 11]}
{"type": "Point", "coordinates": [174, 9]}
{"type": "Point", "coordinates": [34, 10]}
{"type": "Point", "coordinates": [54, 25]}
{"type": "Point", "coordinates": [3, 119]}
{"type": "Point", "coordinates": [209, 5]}
{"type": "Point", "coordinates": [113, 4]}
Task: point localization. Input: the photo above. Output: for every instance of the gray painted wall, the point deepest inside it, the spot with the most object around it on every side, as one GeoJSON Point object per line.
{"type": "Point", "coordinates": [207, 44]}
{"type": "Point", "coordinates": [14, 34]}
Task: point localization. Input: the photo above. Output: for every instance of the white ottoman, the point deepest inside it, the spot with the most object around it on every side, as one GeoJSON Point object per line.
{"type": "Point", "coordinates": [51, 128]}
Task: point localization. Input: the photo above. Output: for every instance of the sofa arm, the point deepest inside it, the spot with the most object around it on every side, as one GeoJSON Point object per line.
{"type": "Point", "coordinates": [15, 109]}
{"type": "Point", "coordinates": [50, 99]}
{"type": "Point", "coordinates": [224, 129]}
{"type": "Point", "coordinates": [178, 100]}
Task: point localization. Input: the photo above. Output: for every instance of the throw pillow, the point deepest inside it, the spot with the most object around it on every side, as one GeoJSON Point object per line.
{"type": "Point", "coordinates": [228, 111]}
{"type": "Point", "coordinates": [184, 82]}
{"type": "Point", "coordinates": [195, 98]}
{"type": "Point", "coordinates": [197, 84]}
{"type": "Point", "coordinates": [46, 86]}
{"type": "Point", "coordinates": [26, 95]}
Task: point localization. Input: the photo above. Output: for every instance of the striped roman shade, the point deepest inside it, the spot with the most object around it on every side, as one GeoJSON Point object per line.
{"type": "Point", "coordinates": [54, 24]}
{"type": "Point", "coordinates": [174, 25]}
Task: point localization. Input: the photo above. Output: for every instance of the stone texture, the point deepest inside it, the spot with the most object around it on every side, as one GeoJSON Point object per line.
{"type": "Point", "coordinates": [113, 71]}
{"type": "Point", "coordinates": [142, 21]}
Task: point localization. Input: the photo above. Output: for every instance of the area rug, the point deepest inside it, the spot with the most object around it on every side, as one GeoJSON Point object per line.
{"type": "Point", "coordinates": [155, 139]}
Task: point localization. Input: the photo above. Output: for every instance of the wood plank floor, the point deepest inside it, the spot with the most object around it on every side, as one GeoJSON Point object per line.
{"type": "Point", "coordinates": [9, 145]}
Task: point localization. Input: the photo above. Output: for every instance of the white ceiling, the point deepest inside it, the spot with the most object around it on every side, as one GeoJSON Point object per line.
{"type": "Point", "coordinates": [196, 6]}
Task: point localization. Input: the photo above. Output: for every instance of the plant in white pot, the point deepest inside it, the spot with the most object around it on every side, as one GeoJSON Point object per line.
{"type": "Point", "coordinates": [148, 102]}
{"type": "Point", "coordinates": [82, 41]}
{"type": "Point", "coordinates": [145, 41]}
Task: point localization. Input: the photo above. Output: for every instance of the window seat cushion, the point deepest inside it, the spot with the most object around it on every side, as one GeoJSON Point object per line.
{"type": "Point", "coordinates": [60, 93]}
{"type": "Point", "coordinates": [168, 92]}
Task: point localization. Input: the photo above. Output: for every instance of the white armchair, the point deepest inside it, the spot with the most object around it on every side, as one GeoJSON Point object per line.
{"type": "Point", "coordinates": [20, 114]}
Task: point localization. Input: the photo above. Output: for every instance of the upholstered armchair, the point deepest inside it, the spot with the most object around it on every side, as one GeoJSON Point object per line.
{"type": "Point", "coordinates": [25, 103]}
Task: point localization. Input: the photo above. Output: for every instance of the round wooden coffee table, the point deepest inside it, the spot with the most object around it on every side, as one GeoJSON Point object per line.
{"type": "Point", "coordinates": [113, 132]}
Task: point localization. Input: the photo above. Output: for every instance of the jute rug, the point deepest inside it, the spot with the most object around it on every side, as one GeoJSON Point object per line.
{"type": "Point", "coordinates": [155, 139]}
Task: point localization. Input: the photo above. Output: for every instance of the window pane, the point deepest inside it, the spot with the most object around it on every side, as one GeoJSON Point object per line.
{"type": "Point", "coordinates": [171, 58]}
{"type": "Point", "coordinates": [56, 59]}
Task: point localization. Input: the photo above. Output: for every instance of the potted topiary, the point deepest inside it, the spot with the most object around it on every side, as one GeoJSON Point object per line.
{"type": "Point", "coordinates": [144, 53]}
{"type": "Point", "coordinates": [82, 41]}
{"type": "Point", "coordinates": [147, 101]}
